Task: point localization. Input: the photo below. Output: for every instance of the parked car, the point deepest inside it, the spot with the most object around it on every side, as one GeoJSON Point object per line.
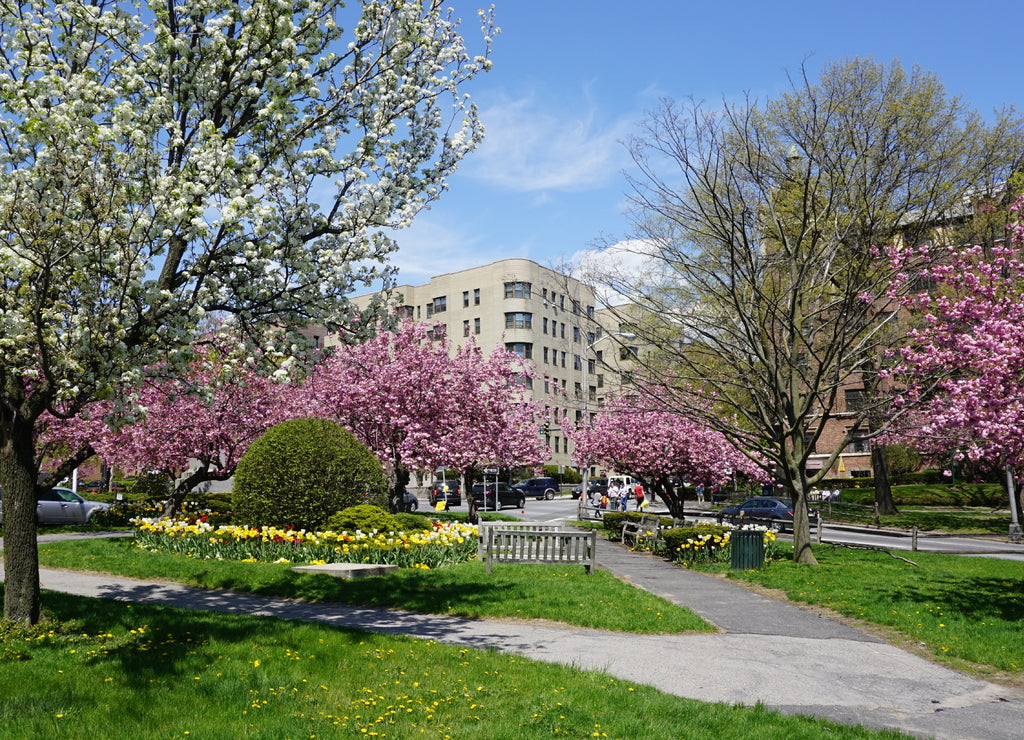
{"type": "Point", "coordinates": [410, 502]}
{"type": "Point", "coordinates": [62, 506]}
{"type": "Point", "coordinates": [446, 490]}
{"type": "Point", "coordinates": [538, 488]}
{"type": "Point", "coordinates": [774, 513]}
{"type": "Point", "coordinates": [596, 487]}
{"type": "Point", "coordinates": [495, 496]}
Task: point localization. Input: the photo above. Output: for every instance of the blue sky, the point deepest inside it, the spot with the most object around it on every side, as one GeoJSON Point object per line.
{"type": "Point", "coordinates": [572, 80]}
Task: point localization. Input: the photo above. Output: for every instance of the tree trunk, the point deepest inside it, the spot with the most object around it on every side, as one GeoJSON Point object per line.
{"type": "Point", "coordinates": [396, 501]}
{"type": "Point", "coordinates": [802, 552]}
{"type": "Point", "coordinates": [883, 488]}
{"type": "Point", "coordinates": [18, 474]}
{"type": "Point", "coordinates": [674, 498]}
{"type": "Point", "coordinates": [1016, 519]}
{"type": "Point", "coordinates": [185, 486]}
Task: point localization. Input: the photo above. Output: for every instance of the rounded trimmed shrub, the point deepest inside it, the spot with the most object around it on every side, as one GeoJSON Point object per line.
{"type": "Point", "coordinates": [302, 471]}
{"type": "Point", "coordinates": [406, 522]}
{"type": "Point", "coordinates": [364, 517]}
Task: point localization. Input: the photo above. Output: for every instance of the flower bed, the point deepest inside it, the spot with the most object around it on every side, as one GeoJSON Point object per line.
{"type": "Point", "coordinates": [447, 542]}
{"type": "Point", "coordinates": [709, 543]}
{"type": "Point", "coordinates": [126, 513]}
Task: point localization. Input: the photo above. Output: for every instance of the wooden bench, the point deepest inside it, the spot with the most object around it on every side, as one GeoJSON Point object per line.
{"type": "Point", "coordinates": [649, 528]}
{"type": "Point", "coordinates": [484, 527]}
{"type": "Point", "coordinates": [518, 544]}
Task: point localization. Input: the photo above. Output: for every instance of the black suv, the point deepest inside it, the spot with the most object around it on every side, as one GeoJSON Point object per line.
{"type": "Point", "coordinates": [544, 488]}
{"type": "Point", "coordinates": [598, 486]}
{"type": "Point", "coordinates": [449, 491]}
{"type": "Point", "coordinates": [495, 496]}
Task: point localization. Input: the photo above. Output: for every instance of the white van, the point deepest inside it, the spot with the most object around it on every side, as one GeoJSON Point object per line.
{"type": "Point", "coordinates": [623, 480]}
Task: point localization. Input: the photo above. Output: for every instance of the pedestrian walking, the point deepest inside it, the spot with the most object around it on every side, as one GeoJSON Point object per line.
{"type": "Point", "coordinates": [624, 498]}
{"type": "Point", "coordinates": [700, 493]}
{"type": "Point", "coordinates": [639, 493]}
{"type": "Point", "coordinates": [613, 494]}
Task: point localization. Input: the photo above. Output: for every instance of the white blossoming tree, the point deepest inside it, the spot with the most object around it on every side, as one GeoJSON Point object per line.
{"type": "Point", "coordinates": [165, 161]}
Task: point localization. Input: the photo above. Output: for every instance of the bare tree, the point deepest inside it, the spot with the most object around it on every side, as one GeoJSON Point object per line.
{"type": "Point", "coordinates": [757, 222]}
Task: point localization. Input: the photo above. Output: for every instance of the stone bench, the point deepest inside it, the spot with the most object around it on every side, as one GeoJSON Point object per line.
{"type": "Point", "coordinates": [539, 546]}
{"type": "Point", "coordinates": [347, 570]}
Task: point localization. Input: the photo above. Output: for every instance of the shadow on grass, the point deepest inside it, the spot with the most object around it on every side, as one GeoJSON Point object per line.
{"type": "Point", "coordinates": [971, 596]}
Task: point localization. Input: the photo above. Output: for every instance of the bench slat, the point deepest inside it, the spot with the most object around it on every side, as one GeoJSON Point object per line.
{"type": "Point", "coordinates": [549, 545]}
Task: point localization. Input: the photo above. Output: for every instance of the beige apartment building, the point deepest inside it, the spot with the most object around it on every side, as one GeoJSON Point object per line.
{"type": "Point", "coordinates": [536, 312]}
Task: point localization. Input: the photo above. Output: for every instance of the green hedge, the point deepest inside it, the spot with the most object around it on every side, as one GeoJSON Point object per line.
{"type": "Point", "coordinates": [674, 539]}
{"type": "Point", "coordinates": [970, 494]}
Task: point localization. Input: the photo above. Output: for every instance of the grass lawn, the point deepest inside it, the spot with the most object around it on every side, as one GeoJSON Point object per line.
{"type": "Point", "coordinates": [977, 520]}
{"type": "Point", "coordinates": [967, 611]}
{"type": "Point", "coordinates": [136, 671]}
{"type": "Point", "coordinates": [518, 591]}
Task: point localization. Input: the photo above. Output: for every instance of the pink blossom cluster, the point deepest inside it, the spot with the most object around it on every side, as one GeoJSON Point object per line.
{"type": "Point", "coordinates": [419, 405]}
{"type": "Point", "coordinates": [969, 345]}
{"type": "Point", "coordinates": [640, 435]}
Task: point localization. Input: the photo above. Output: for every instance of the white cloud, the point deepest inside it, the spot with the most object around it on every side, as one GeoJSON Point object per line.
{"type": "Point", "coordinates": [619, 265]}
{"type": "Point", "coordinates": [434, 247]}
{"type": "Point", "coordinates": [528, 148]}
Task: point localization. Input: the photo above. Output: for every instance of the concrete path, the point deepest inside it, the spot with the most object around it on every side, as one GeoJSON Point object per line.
{"type": "Point", "coordinates": [768, 650]}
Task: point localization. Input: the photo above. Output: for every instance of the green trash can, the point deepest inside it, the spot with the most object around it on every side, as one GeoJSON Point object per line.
{"type": "Point", "coordinates": [747, 549]}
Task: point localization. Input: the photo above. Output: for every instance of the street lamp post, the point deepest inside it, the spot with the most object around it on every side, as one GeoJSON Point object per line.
{"type": "Point", "coordinates": [585, 490]}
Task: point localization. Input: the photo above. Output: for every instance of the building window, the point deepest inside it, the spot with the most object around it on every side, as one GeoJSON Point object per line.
{"type": "Point", "coordinates": [440, 304]}
{"type": "Point", "coordinates": [563, 359]}
{"type": "Point", "coordinates": [627, 353]}
{"type": "Point", "coordinates": [519, 320]}
{"type": "Point", "coordinates": [545, 355]}
{"type": "Point", "coordinates": [476, 326]}
{"type": "Point", "coordinates": [437, 332]}
{"type": "Point", "coordinates": [476, 296]}
{"type": "Point", "coordinates": [577, 363]}
{"type": "Point", "coordinates": [465, 328]}
{"type": "Point", "coordinates": [517, 290]}
{"type": "Point", "coordinates": [854, 399]}
{"type": "Point", "coordinates": [859, 445]}
{"type": "Point", "coordinates": [563, 331]}
{"type": "Point", "coordinates": [465, 299]}
{"type": "Point", "coordinates": [545, 324]}
{"type": "Point", "coordinates": [405, 312]}
{"type": "Point", "coordinates": [430, 310]}
{"type": "Point", "coordinates": [576, 334]}
{"type": "Point", "coordinates": [600, 381]}
{"type": "Point", "coordinates": [523, 349]}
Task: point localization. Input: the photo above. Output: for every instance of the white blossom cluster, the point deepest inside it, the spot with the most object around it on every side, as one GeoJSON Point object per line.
{"type": "Point", "coordinates": [165, 162]}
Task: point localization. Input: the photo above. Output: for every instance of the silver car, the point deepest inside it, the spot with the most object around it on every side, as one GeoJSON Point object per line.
{"type": "Point", "coordinates": [63, 506]}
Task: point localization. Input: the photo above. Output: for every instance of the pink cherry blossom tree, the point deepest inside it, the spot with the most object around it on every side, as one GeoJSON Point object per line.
{"type": "Point", "coordinates": [199, 422]}
{"type": "Point", "coordinates": [636, 435]}
{"type": "Point", "coordinates": [966, 359]}
{"type": "Point", "coordinates": [419, 405]}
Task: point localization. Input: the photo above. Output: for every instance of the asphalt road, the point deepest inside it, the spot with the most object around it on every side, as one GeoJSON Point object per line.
{"type": "Point", "coordinates": [564, 508]}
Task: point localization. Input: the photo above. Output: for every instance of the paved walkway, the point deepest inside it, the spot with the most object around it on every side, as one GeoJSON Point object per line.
{"type": "Point", "coordinates": [768, 651]}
